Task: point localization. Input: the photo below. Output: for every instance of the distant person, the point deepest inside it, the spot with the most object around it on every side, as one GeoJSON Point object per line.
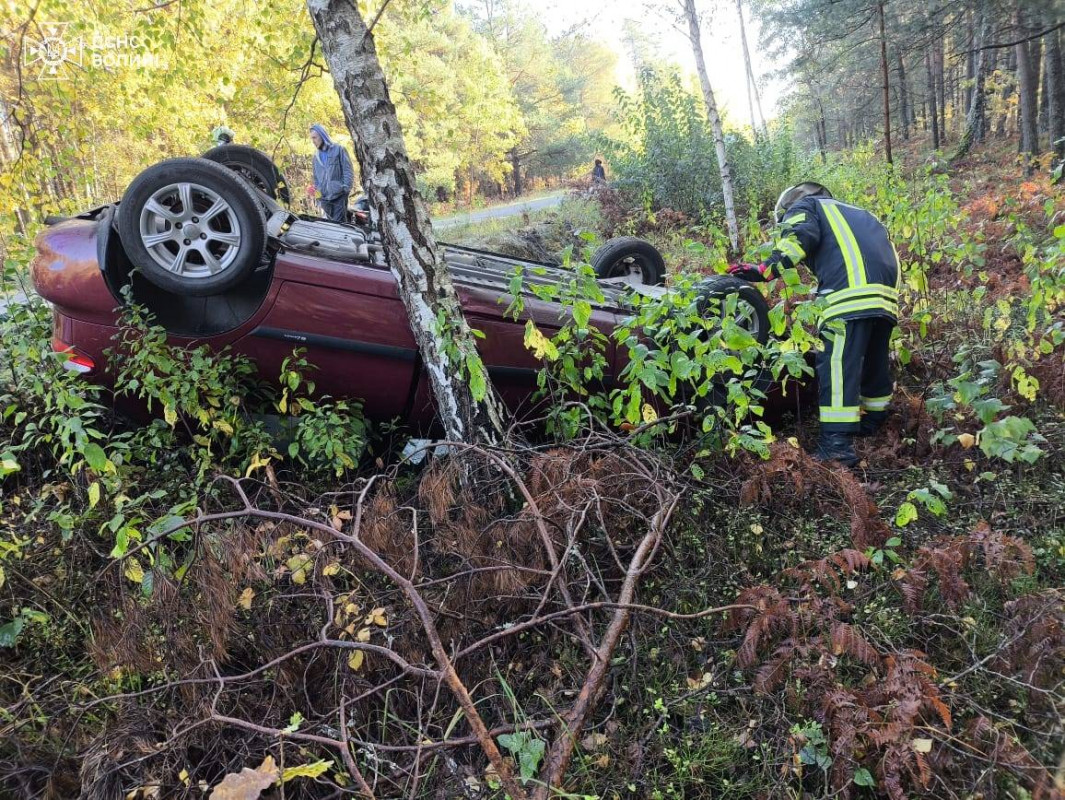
{"type": "Point", "coordinates": [598, 172]}
{"type": "Point", "coordinates": [857, 270]}
{"type": "Point", "coordinates": [222, 135]}
{"type": "Point", "coordinates": [333, 175]}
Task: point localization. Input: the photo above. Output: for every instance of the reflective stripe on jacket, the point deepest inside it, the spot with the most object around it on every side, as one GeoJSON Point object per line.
{"type": "Point", "coordinates": [849, 252]}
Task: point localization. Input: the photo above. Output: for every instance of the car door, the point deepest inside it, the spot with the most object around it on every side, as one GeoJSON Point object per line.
{"type": "Point", "coordinates": [512, 367]}
{"type": "Point", "coordinates": [351, 323]}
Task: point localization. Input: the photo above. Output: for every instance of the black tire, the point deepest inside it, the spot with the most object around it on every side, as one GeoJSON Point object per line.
{"type": "Point", "coordinates": [629, 255]}
{"type": "Point", "coordinates": [755, 309]}
{"type": "Point", "coordinates": [221, 251]}
{"type": "Point", "coordinates": [751, 302]}
{"type": "Point", "coordinates": [254, 166]}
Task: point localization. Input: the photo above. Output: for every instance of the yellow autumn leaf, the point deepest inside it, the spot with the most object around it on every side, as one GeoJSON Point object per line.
{"type": "Point", "coordinates": [355, 660]}
{"type": "Point", "coordinates": [133, 570]}
{"type": "Point", "coordinates": [257, 462]}
{"type": "Point", "coordinates": [541, 346]}
{"type": "Point", "coordinates": [922, 745]}
{"type": "Point", "coordinates": [223, 426]}
{"type": "Point", "coordinates": [245, 598]}
{"type": "Point", "coordinates": [300, 565]}
{"type": "Point", "coordinates": [306, 770]}
{"type": "Point", "coordinates": [94, 494]}
{"type": "Point", "coordinates": [351, 609]}
{"type": "Point", "coordinates": [966, 440]}
{"type": "Point", "coordinates": [363, 635]}
{"type": "Point", "coordinates": [377, 617]}
{"type": "Point", "coordinates": [649, 414]}
{"type": "Point", "coordinates": [170, 415]}
{"type": "Point", "coordinates": [331, 569]}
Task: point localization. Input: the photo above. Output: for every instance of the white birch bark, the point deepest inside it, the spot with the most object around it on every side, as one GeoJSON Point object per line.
{"type": "Point", "coordinates": [715, 124]}
{"type": "Point", "coordinates": [413, 255]}
{"type": "Point", "coordinates": [752, 85]}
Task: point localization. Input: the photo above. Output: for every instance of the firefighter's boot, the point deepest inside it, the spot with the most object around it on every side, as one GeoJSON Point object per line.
{"type": "Point", "coordinates": [836, 446]}
{"type": "Point", "coordinates": [872, 422]}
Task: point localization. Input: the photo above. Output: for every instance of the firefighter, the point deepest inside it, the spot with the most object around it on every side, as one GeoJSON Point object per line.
{"type": "Point", "coordinates": [857, 271]}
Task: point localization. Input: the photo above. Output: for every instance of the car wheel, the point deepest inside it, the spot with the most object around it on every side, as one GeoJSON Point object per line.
{"type": "Point", "coordinates": [254, 166]}
{"type": "Point", "coordinates": [634, 260]}
{"type": "Point", "coordinates": [192, 226]}
{"type": "Point", "coordinates": [751, 311]}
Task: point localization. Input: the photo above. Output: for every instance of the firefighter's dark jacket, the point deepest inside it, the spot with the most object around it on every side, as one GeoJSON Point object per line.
{"type": "Point", "coordinates": [849, 252]}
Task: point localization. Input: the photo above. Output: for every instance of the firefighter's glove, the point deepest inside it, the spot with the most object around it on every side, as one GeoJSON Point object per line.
{"type": "Point", "coordinates": [754, 273]}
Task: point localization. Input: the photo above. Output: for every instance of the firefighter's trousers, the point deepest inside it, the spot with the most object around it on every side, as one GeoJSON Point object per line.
{"type": "Point", "coordinates": [853, 372]}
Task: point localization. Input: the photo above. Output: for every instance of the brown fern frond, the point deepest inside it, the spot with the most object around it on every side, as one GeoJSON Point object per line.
{"type": "Point", "coordinates": [1005, 557]}
{"type": "Point", "coordinates": [850, 561]}
{"type": "Point", "coordinates": [947, 563]}
{"type": "Point", "coordinates": [923, 774]}
{"type": "Point", "coordinates": [1003, 749]}
{"type": "Point", "coordinates": [761, 597]}
{"type": "Point", "coordinates": [1037, 644]}
{"type": "Point", "coordinates": [771, 673]}
{"type": "Point", "coordinates": [846, 640]}
{"type": "Point", "coordinates": [792, 468]}
{"type": "Point", "coordinates": [747, 653]}
{"type": "Point", "coordinates": [913, 585]}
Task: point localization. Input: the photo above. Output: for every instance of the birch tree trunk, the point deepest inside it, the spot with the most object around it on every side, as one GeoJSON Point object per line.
{"type": "Point", "coordinates": [753, 98]}
{"type": "Point", "coordinates": [468, 409]}
{"type": "Point", "coordinates": [715, 124]}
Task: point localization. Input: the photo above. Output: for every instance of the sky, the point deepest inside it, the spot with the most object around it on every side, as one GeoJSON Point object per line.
{"type": "Point", "coordinates": [722, 46]}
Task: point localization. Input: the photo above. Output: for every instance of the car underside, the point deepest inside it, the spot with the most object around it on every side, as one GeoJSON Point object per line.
{"type": "Point", "coordinates": [217, 259]}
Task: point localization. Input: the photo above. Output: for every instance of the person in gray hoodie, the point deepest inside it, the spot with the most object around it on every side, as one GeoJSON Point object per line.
{"type": "Point", "coordinates": [333, 175]}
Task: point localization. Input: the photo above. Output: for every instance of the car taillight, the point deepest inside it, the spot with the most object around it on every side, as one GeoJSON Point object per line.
{"type": "Point", "coordinates": [77, 361]}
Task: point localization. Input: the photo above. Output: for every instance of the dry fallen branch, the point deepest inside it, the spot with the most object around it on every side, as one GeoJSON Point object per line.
{"type": "Point", "coordinates": [539, 552]}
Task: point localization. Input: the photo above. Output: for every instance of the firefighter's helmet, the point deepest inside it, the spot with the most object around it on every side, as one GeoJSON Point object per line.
{"type": "Point", "coordinates": [793, 194]}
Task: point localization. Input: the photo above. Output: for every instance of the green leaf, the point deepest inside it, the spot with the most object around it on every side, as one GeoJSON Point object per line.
{"type": "Point", "coordinates": [864, 778]}
{"type": "Point", "coordinates": [478, 382]}
{"type": "Point", "coordinates": [528, 749]}
{"type": "Point", "coordinates": [906, 514]}
{"type": "Point", "coordinates": [9, 633]}
{"type": "Point", "coordinates": [95, 457]}
{"type": "Point", "coordinates": [294, 723]}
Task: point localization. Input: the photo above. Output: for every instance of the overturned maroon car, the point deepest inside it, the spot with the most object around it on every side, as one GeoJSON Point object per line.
{"type": "Point", "coordinates": [206, 246]}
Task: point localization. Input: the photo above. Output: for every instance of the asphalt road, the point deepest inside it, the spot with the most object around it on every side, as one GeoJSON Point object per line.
{"type": "Point", "coordinates": [10, 299]}
{"type": "Point", "coordinates": [496, 212]}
